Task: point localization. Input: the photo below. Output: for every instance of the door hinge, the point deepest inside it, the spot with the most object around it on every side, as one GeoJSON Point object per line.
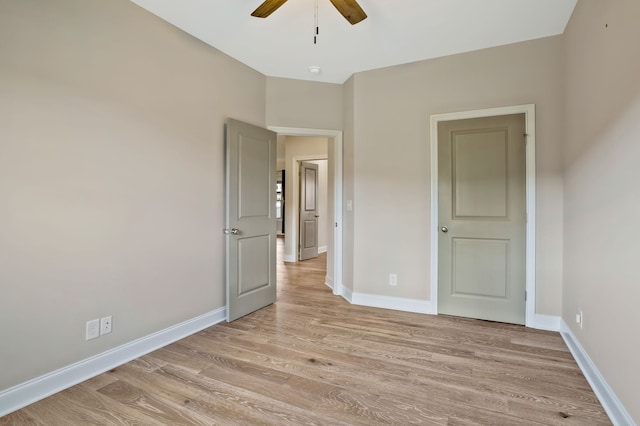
{"type": "Point", "coordinates": [525, 295]}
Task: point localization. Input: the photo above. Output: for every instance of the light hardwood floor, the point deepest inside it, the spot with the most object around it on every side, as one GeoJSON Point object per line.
{"type": "Point", "coordinates": [314, 359]}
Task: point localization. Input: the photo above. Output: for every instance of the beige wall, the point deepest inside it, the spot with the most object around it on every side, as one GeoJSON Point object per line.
{"type": "Point", "coordinates": [330, 277]}
{"type": "Point", "coordinates": [348, 178]}
{"type": "Point", "coordinates": [111, 176]}
{"type": "Point", "coordinates": [602, 201]}
{"type": "Point", "coordinates": [391, 160]}
{"type": "Point", "coordinates": [303, 104]}
{"type": "Point", "coordinates": [280, 160]}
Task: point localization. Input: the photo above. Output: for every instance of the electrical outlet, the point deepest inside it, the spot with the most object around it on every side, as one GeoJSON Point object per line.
{"type": "Point", "coordinates": [92, 329]}
{"type": "Point", "coordinates": [105, 325]}
{"type": "Point", "coordinates": [393, 279]}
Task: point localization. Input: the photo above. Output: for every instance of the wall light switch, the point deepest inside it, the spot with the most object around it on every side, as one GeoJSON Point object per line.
{"type": "Point", "coordinates": [349, 205]}
{"type": "Point", "coordinates": [92, 329]}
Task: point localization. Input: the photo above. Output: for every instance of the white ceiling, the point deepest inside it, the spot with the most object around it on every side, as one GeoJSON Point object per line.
{"type": "Point", "coordinates": [395, 32]}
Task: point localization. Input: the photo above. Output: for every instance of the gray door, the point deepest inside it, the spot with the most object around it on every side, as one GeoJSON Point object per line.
{"type": "Point", "coordinates": [308, 210]}
{"type": "Point", "coordinates": [482, 215]}
{"type": "Point", "coordinates": [250, 218]}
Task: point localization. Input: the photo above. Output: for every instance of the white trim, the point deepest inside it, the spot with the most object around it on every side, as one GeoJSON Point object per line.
{"type": "Point", "coordinates": [347, 294]}
{"type": "Point", "coordinates": [610, 402]}
{"type": "Point", "coordinates": [328, 281]}
{"type": "Point", "coordinates": [290, 258]}
{"type": "Point", "coordinates": [26, 393]}
{"type": "Point", "coordinates": [530, 259]}
{"type": "Point", "coordinates": [547, 322]}
{"type": "Point", "coordinates": [322, 249]}
{"type": "Point", "coordinates": [337, 193]}
{"type": "Point", "coordinates": [395, 303]}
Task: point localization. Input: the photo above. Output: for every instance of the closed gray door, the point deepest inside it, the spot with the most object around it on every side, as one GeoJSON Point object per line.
{"type": "Point", "coordinates": [308, 210]}
{"type": "Point", "coordinates": [250, 218]}
{"type": "Point", "coordinates": [482, 215]}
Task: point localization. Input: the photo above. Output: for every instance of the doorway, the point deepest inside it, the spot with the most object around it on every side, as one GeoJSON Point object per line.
{"type": "Point", "coordinates": [334, 241]}
{"type": "Point", "coordinates": [529, 245]}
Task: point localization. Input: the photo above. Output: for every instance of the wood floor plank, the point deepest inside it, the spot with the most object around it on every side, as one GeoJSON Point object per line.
{"type": "Point", "coordinates": [82, 399]}
{"type": "Point", "coordinates": [19, 418]}
{"type": "Point", "coordinates": [314, 359]}
{"type": "Point", "coordinates": [297, 364]}
{"type": "Point", "coordinates": [240, 406]}
{"type": "Point", "coordinates": [162, 408]}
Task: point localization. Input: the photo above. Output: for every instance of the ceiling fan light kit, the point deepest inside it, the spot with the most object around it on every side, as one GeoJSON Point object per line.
{"type": "Point", "coordinates": [350, 9]}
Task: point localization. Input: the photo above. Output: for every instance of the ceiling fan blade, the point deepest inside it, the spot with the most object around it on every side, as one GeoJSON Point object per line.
{"type": "Point", "coordinates": [350, 9]}
{"type": "Point", "coordinates": [267, 8]}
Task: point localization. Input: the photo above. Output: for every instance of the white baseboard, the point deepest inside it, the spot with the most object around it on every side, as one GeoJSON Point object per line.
{"type": "Point", "coordinates": [541, 322]}
{"type": "Point", "coordinates": [328, 281]}
{"type": "Point", "coordinates": [26, 393]}
{"type": "Point", "coordinates": [290, 258]}
{"type": "Point", "coordinates": [612, 405]}
{"type": "Point", "coordinates": [322, 249]}
{"type": "Point", "coordinates": [546, 322]}
{"type": "Point", "coordinates": [346, 294]}
{"type": "Point", "coordinates": [389, 302]}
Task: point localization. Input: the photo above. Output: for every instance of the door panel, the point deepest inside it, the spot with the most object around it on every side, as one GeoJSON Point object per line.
{"type": "Point", "coordinates": [253, 184]}
{"type": "Point", "coordinates": [480, 174]}
{"type": "Point", "coordinates": [482, 208]}
{"type": "Point", "coordinates": [487, 278]}
{"type": "Point", "coordinates": [253, 264]}
{"type": "Point", "coordinates": [310, 184]}
{"type": "Point", "coordinates": [308, 210]}
{"type": "Point", "coordinates": [250, 218]}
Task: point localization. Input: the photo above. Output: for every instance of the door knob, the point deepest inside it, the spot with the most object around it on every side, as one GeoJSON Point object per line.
{"type": "Point", "coordinates": [233, 231]}
{"type": "Point", "coordinates": [444, 229]}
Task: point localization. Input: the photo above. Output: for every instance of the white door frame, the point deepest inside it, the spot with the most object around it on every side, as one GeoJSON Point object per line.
{"type": "Point", "coordinates": [530, 262]}
{"type": "Point", "coordinates": [336, 135]}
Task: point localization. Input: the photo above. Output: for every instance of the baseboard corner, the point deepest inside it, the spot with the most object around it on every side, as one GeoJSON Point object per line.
{"type": "Point", "coordinates": [328, 281]}
{"type": "Point", "coordinates": [346, 294]}
{"type": "Point", "coordinates": [546, 322]}
{"type": "Point", "coordinates": [617, 413]}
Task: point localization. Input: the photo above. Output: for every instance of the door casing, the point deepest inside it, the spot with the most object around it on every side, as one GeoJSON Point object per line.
{"type": "Point", "coordinates": [530, 278]}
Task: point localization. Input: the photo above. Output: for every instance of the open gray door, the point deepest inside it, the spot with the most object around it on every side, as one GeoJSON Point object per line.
{"type": "Point", "coordinates": [250, 218]}
{"type": "Point", "coordinates": [308, 210]}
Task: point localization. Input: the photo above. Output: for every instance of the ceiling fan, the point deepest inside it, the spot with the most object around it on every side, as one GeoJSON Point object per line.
{"type": "Point", "coordinates": [350, 9]}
